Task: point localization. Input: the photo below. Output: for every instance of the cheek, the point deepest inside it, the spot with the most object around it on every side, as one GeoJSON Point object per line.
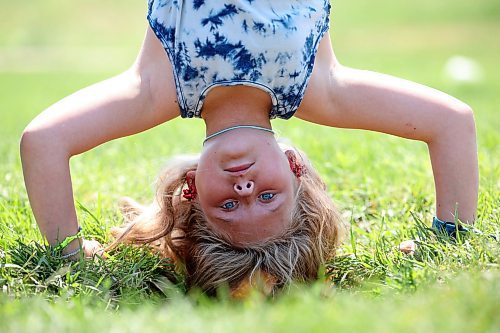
{"type": "Point", "coordinates": [204, 176]}
{"type": "Point", "coordinates": [210, 190]}
{"type": "Point", "coordinates": [280, 175]}
{"type": "Point", "coordinates": [203, 184]}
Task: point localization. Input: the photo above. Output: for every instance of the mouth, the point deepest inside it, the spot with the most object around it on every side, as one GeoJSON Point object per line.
{"type": "Point", "coordinates": [239, 168]}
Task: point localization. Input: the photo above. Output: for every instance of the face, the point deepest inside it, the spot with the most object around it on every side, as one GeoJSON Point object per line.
{"type": "Point", "coordinates": [245, 187]}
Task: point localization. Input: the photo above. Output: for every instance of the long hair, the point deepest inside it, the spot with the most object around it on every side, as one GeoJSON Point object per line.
{"type": "Point", "coordinates": [177, 228]}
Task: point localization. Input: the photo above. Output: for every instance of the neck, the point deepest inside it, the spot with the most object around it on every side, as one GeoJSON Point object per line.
{"type": "Point", "coordinates": [223, 120]}
{"type": "Point", "coordinates": [253, 127]}
{"type": "Point", "coordinates": [242, 106]}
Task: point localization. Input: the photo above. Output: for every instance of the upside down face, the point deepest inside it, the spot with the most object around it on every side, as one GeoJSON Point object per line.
{"type": "Point", "coordinates": [245, 187]}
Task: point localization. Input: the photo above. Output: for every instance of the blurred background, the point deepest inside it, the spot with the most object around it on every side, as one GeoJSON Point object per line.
{"type": "Point", "coordinates": [452, 45]}
{"type": "Point", "coordinates": [49, 49]}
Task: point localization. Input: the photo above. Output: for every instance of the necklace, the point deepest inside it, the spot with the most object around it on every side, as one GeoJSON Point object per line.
{"type": "Point", "coordinates": [236, 127]}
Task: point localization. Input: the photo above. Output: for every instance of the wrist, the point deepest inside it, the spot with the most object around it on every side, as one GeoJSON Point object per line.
{"type": "Point", "coordinates": [447, 228]}
{"type": "Point", "coordinates": [71, 255]}
{"type": "Point", "coordinates": [70, 246]}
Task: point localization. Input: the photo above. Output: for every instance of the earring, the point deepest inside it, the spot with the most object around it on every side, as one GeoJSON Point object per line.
{"type": "Point", "coordinates": [190, 192]}
{"type": "Point", "coordinates": [297, 168]}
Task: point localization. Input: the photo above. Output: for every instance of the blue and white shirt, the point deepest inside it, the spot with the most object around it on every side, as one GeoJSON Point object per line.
{"type": "Point", "coordinates": [268, 44]}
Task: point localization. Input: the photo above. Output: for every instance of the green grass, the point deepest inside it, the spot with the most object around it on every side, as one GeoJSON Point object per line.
{"type": "Point", "coordinates": [383, 184]}
{"type": "Point", "coordinates": [455, 307]}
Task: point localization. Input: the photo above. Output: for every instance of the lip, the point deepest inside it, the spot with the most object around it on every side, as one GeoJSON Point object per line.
{"type": "Point", "coordinates": [239, 168]}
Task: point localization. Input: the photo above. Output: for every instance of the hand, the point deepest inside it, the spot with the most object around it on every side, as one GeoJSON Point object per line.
{"type": "Point", "coordinates": [408, 247]}
{"type": "Point", "coordinates": [92, 247]}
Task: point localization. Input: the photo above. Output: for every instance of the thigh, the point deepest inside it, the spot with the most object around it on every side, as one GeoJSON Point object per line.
{"type": "Point", "coordinates": [344, 97]}
{"type": "Point", "coordinates": [136, 100]}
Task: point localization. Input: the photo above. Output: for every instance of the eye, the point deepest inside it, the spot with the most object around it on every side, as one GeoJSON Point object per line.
{"type": "Point", "coordinates": [230, 205]}
{"type": "Point", "coordinates": [267, 196]}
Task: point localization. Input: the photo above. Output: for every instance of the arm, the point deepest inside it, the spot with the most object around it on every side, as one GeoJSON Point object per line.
{"type": "Point", "coordinates": [134, 101]}
{"type": "Point", "coordinates": [351, 98]}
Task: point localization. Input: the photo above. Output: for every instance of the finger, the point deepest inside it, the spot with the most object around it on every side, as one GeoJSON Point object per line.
{"type": "Point", "coordinates": [408, 247]}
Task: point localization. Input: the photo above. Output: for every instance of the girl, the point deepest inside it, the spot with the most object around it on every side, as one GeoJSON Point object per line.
{"type": "Point", "coordinates": [237, 64]}
{"type": "Point", "coordinates": [262, 247]}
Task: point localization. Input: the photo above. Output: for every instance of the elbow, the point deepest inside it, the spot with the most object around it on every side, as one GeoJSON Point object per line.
{"type": "Point", "coordinates": [30, 143]}
{"type": "Point", "coordinates": [458, 123]}
{"type": "Point", "coordinates": [37, 142]}
{"type": "Point", "coordinates": [463, 120]}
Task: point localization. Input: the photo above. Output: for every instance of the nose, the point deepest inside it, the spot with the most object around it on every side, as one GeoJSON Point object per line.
{"type": "Point", "coordinates": [244, 187]}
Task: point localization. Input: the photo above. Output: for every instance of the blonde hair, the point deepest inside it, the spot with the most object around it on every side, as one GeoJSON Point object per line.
{"type": "Point", "coordinates": [177, 228]}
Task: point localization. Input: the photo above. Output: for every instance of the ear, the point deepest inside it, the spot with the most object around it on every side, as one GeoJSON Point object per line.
{"type": "Point", "coordinates": [297, 167]}
{"type": "Point", "coordinates": [190, 192]}
{"type": "Point", "coordinates": [191, 175]}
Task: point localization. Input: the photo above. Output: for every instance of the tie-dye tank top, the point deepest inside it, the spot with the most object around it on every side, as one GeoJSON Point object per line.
{"type": "Point", "coordinates": [268, 44]}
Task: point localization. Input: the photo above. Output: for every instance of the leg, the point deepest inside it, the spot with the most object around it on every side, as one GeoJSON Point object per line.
{"type": "Point", "coordinates": [352, 98]}
{"type": "Point", "coordinates": [134, 101]}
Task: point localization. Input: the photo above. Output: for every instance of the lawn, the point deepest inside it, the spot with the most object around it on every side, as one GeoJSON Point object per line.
{"type": "Point", "coordinates": [382, 184]}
